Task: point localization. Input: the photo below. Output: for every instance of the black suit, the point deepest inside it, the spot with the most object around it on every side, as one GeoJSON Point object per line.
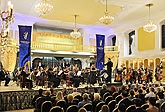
{"type": "Point", "coordinates": [109, 65]}
{"type": "Point", "coordinates": [4, 77]}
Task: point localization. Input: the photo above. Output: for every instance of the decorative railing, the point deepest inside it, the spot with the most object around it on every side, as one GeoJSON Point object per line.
{"type": "Point", "coordinates": [67, 47]}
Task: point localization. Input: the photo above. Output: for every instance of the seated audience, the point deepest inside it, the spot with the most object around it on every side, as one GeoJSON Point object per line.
{"type": "Point", "coordinates": [104, 108]}
{"type": "Point", "coordinates": [59, 96]}
{"type": "Point", "coordinates": [151, 93]}
{"type": "Point", "coordinates": [70, 100]}
{"type": "Point", "coordinates": [152, 102]}
{"type": "Point", "coordinates": [127, 102]}
{"type": "Point", "coordinates": [96, 100]}
{"type": "Point", "coordinates": [161, 99]}
{"type": "Point", "coordinates": [85, 100]}
{"type": "Point", "coordinates": [82, 110]}
{"type": "Point", "coordinates": [103, 90]}
{"type": "Point", "coordinates": [40, 91]}
{"type": "Point", "coordinates": [75, 93]}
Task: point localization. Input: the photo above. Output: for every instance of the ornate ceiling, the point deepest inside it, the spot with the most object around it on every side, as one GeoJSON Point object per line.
{"type": "Point", "coordinates": [89, 11]}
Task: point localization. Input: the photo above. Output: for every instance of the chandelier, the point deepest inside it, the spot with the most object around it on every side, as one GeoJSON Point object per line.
{"type": "Point", "coordinates": [150, 26]}
{"type": "Point", "coordinates": [7, 17]}
{"type": "Point", "coordinates": [75, 33]}
{"type": "Point", "coordinates": [43, 7]}
{"type": "Point", "coordinates": [107, 18]}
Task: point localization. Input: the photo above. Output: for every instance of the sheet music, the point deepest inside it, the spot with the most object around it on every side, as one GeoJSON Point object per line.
{"type": "Point", "coordinates": [60, 72]}
{"type": "Point", "coordinates": [79, 73]}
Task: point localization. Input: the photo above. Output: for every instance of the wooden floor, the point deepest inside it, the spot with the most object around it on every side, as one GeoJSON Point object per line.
{"type": "Point", "coordinates": [13, 87]}
{"type": "Point", "coordinates": [25, 110]}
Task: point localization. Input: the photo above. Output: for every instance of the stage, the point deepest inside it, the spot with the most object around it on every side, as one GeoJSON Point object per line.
{"type": "Point", "coordinates": [12, 97]}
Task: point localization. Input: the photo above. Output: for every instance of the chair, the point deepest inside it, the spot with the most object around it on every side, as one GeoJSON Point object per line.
{"type": "Point", "coordinates": [118, 98]}
{"type": "Point", "coordinates": [72, 108]}
{"type": "Point", "coordinates": [46, 106]}
{"type": "Point", "coordinates": [105, 95]}
{"type": "Point", "coordinates": [130, 108]}
{"type": "Point", "coordinates": [98, 106]}
{"type": "Point", "coordinates": [88, 107]}
{"type": "Point", "coordinates": [37, 101]}
{"type": "Point", "coordinates": [108, 99]}
{"type": "Point", "coordinates": [162, 107]}
{"type": "Point", "coordinates": [75, 101]}
{"type": "Point", "coordinates": [115, 94]}
{"type": "Point", "coordinates": [115, 110]}
{"type": "Point", "coordinates": [112, 105]}
{"type": "Point", "coordinates": [56, 109]}
{"type": "Point", "coordinates": [145, 106]}
{"type": "Point", "coordinates": [24, 84]}
{"type": "Point", "coordinates": [65, 98]}
{"type": "Point", "coordinates": [62, 104]}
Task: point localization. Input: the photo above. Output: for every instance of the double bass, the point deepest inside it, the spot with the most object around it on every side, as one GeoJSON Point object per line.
{"type": "Point", "coordinates": [129, 74]}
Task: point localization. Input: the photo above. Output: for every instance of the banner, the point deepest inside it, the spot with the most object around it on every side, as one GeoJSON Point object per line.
{"type": "Point", "coordinates": [100, 51]}
{"type": "Point", "coordinates": [25, 46]}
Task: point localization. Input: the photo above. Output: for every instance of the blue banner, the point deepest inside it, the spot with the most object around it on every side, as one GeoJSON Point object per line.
{"type": "Point", "coordinates": [25, 46]}
{"type": "Point", "coordinates": [100, 51]}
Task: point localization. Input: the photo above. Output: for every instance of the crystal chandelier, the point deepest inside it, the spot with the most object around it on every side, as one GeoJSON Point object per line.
{"type": "Point", "coordinates": [75, 33]}
{"type": "Point", "coordinates": [7, 17]}
{"type": "Point", "coordinates": [150, 26]}
{"type": "Point", "coordinates": [43, 7]}
{"type": "Point", "coordinates": [107, 18]}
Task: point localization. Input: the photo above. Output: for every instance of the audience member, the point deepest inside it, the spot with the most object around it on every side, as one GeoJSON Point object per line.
{"type": "Point", "coordinates": [75, 93]}
{"type": "Point", "coordinates": [152, 107]}
{"type": "Point", "coordinates": [59, 96]}
{"type": "Point", "coordinates": [85, 100]}
{"type": "Point", "coordinates": [82, 110]}
{"type": "Point", "coordinates": [96, 100]}
{"type": "Point", "coordinates": [104, 108]}
{"type": "Point", "coordinates": [40, 91]}
{"type": "Point", "coordinates": [103, 90]}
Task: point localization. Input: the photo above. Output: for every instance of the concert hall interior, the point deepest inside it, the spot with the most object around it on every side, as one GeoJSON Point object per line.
{"type": "Point", "coordinates": [74, 47]}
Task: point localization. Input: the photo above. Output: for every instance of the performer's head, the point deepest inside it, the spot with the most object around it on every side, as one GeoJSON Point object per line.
{"type": "Point", "coordinates": [109, 59]}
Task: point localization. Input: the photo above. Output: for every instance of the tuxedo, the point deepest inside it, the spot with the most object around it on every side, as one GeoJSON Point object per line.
{"type": "Point", "coordinates": [109, 65]}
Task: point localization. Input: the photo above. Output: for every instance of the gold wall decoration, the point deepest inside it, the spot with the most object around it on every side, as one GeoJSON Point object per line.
{"type": "Point", "coordinates": [135, 64]}
{"type": "Point", "coordinates": [146, 41]}
{"type": "Point", "coordinates": [114, 58]}
{"type": "Point", "coordinates": [55, 42]}
{"type": "Point", "coordinates": [10, 55]}
{"type": "Point", "coordinates": [145, 63]}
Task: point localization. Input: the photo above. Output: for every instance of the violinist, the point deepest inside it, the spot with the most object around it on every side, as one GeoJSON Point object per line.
{"type": "Point", "coordinates": [23, 78]}
{"type": "Point", "coordinates": [129, 76]}
{"type": "Point", "coordinates": [140, 74]}
{"type": "Point", "coordinates": [158, 72]}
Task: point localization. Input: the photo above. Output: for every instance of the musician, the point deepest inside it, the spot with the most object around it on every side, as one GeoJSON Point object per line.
{"type": "Point", "coordinates": [158, 72]}
{"type": "Point", "coordinates": [118, 77]}
{"type": "Point", "coordinates": [129, 75]}
{"type": "Point", "coordinates": [92, 76]}
{"type": "Point", "coordinates": [109, 65]}
{"type": "Point", "coordinates": [134, 75]}
{"type": "Point", "coordinates": [23, 77]}
{"type": "Point", "coordinates": [50, 77]}
{"type": "Point", "coordinates": [4, 76]}
{"type": "Point", "coordinates": [140, 74]}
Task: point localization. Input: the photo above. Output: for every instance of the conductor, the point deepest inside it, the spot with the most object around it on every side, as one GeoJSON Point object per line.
{"type": "Point", "coordinates": [109, 65]}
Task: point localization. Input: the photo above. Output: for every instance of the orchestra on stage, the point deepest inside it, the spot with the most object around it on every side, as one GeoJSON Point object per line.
{"type": "Point", "coordinates": [73, 75]}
